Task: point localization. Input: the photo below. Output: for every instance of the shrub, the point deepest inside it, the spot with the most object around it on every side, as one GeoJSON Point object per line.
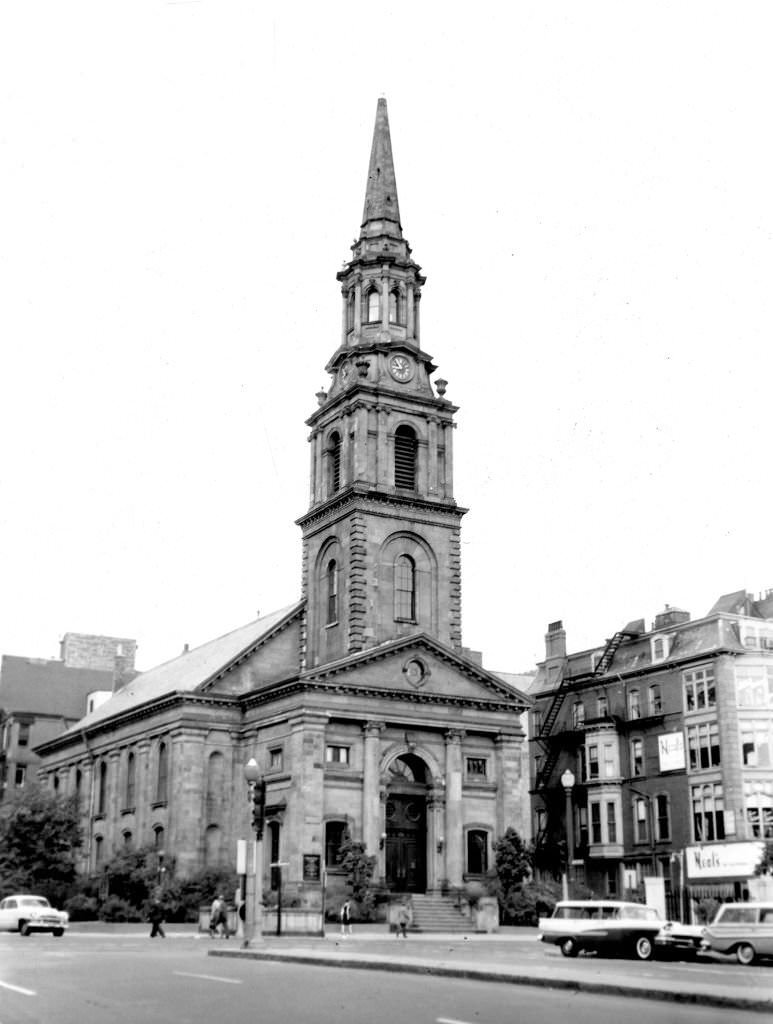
{"type": "Point", "coordinates": [116, 909]}
{"type": "Point", "coordinates": [81, 907]}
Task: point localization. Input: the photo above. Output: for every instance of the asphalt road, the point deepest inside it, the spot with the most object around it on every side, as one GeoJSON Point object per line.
{"type": "Point", "coordinates": [128, 980]}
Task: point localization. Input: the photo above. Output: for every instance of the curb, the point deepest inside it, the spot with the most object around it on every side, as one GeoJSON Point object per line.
{"type": "Point", "coordinates": [502, 977]}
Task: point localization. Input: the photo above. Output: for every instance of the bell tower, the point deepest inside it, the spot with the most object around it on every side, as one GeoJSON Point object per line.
{"type": "Point", "coordinates": [381, 537]}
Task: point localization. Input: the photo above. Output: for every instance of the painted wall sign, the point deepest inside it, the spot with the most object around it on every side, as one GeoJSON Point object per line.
{"type": "Point", "coordinates": [671, 751]}
{"type": "Point", "coordinates": [722, 860]}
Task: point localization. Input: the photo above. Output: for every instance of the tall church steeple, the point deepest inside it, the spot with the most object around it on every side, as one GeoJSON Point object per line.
{"type": "Point", "coordinates": [381, 547]}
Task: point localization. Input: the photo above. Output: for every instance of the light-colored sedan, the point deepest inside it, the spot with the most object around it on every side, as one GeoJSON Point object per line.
{"type": "Point", "coordinates": [25, 913]}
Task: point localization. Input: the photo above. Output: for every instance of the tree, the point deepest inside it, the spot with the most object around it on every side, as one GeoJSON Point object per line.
{"type": "Point", "coordinates": [513, 863]}
{"type": "Point", "coordinates": [765, 866]}
{"type": "Point", "coordinates": [359, 868]}
{"type": "Point", "coordinates": [39, 840]}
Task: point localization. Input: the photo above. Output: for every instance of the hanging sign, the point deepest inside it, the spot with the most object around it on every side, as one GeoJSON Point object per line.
{"type": "Point", "coordinates": [671, 751]}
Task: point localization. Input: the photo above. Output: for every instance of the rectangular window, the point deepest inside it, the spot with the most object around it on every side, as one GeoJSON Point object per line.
{"type": "Point", "coordinates": [662, 818]}
{"type": "Point", "coordinates": [275, 759]}
{"type": "Point", "coordinates": [595, 822]}
{"type": "Point", "coordinates": [634, 704]}
{"type": "Point", "coordinates": [755, 744]}
{"type": "Point", "coordinates": [699, 689]}
{"type": "Point", "coordinates": [602, 706]}
{"type": "Point", "coordinates": [476, 766]}
{"type": "Point", "coordinates": [641, 832]}
{"type": "Point", "coordinates": [708, 810]}
{"type": "Point", "coordinates": [20, 774]}
{"type": "Point", "coordinates": [337, 755]}
{"type": "Point", "coordinates": [578, 714]}
{"type": "Point", "coordinates": [637, 757]}
{"type": "Point", "coordinates": [656, 700]}
{"type": "Point", "coordinates": [24, 734]}
{"type": "Point", "coordinates": [582, 826]}
{"type": "Point", "coordinates": [611, 822]}
{"type": "Point", "coordinates": [703, 745]}
{"type": "Point", "coordinates": [593, 761]}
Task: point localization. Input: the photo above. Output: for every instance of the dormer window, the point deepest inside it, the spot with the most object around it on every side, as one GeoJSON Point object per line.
{"type": "Point", "coordinates": [660, 647]}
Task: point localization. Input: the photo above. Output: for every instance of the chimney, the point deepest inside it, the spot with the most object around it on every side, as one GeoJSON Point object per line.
{"type": "Point", "coordinates": [555, 640]}
{"type": "Point", "coordinates": [670, 617]}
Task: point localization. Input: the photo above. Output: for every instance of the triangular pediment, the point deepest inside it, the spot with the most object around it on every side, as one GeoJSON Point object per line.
{"type": "Point", "coordinates": [418, 665]}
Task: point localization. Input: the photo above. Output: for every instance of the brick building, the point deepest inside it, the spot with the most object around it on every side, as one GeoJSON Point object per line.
{"type": "Point", "coordinates": [40, 698]}
{"type": "Point", "coordinates": [362, 708]}
{"type": "Point", "coordinates": [668, 733]}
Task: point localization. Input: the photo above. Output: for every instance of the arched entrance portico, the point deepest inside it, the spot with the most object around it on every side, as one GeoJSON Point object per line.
{"type": "Point", "coordinates": [405, 824]}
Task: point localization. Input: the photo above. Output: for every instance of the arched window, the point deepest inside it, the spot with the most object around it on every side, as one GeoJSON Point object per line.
{"type": "Point", "coordinates": [99, 851]}
{"type": "Point", "coordinates": [637, 757]}
{"type": "Point", "coordinates": [102, 788]}
{"type": "Point", "coordinates": [334, 462]}
{"type": "Point", "coordinates": [602, 706]}
{"type": "Point", "coordinates": [331, 578]}
{"type": "Point", "coordinates": [78, 788]}
{"type": "Point", "coordinates": [158, 838]}
{"type": "Point", "coordinates": [335, 832]}
{"type": "Point", "coordinates": [477, 851]}
{"type": "Point", "coordinates": [578, 714]}
{"type": "Point", "coordinates": [212, 844]}
{"type": "Point", "coordinates": [405, 588]}
{"type": "Point", "coordinates": [405, 457]}
{"type": "Point", "coordinates": [394, 305]}
{"type": "Point", "coordinates": [127, 840]}
{"type": "Point", "coordinates": [131, 779]}
{"type": "Point", "coordinates": [55, 782]}
{"type": "Point", "coordinates": [350, 310]}
{"type": "Point", "coordinates": [162, 776]}
{"type": "Point", "coordinates": [641, 832]}
{"type": "Point", "coordinates": [374, 311]}
{"type": "Point", "coordinates": [656, 700]}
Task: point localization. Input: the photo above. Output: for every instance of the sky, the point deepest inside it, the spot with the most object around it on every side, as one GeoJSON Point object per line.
{"type": "Point", "coordinates": [587, 189]}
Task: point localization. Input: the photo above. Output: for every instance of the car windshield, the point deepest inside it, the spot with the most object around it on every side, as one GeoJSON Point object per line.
{"type": "Point", "coordinates": [34, 901]}
{"type": "Point", "coordinates": [641, 914]}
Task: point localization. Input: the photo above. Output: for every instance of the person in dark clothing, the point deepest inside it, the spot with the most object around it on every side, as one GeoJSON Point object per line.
{"type": "Point", "coordinates": [156, 916]}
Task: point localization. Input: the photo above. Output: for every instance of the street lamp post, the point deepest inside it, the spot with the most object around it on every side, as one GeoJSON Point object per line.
{"type": "Point", "coordinates": [567, 781]}
{"type": "Point", "coordinates": [253, 911]}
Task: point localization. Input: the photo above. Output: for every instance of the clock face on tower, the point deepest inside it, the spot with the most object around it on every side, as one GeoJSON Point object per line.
{"type": "Point", "coordinates": [345, 373]}
{"type": "Point", "coordinates": [401, 368]}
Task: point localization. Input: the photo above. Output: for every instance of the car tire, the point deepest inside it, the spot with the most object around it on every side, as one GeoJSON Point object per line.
{"type": "Point", "coordinates": [24, 929]}
{"type": "Point", "coordinates": [569, 947]}
{"type": "Point", "coordinates": [644, 948]}
{"type": "Point", "coordinates": [745, 954]}
{"type": "Point", "coordinates": [58, 933]}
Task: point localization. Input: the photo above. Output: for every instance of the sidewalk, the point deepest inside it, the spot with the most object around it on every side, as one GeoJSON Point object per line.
{"type": "Point", "coordinates": [494, 958]}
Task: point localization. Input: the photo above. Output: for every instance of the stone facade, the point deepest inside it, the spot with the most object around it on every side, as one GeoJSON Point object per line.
{"type": "Point", "coordinates": [364, 712]}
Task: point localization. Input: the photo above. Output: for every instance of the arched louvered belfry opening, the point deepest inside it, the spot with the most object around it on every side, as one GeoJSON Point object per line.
{"type": "Point", "coordinates": [334, 462]}
{"type": "Point", "coordinates": [406, 448]}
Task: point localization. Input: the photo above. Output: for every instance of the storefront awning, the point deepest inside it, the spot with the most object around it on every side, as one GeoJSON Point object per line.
{"type": "Point", "coordinates": [711, 891]}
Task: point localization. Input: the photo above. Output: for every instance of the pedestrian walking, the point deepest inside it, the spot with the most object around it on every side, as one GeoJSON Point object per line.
{"type": "Point", "coordinates": [346, 919]}
{"type": "Point", "coordinates": [218, 917]}
{"type": "Point", "coordinates": [156, 916]}
{"type": "Point", "coordinates": [403, 919]}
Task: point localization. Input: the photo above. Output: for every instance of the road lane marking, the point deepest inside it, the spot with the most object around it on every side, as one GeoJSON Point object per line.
{"type": "Point", "coordinates": [450, 1020]}
{"type": "Point", "coordinates": [17, 988]}
{"type": "Point", "coordinates": [207, 977]}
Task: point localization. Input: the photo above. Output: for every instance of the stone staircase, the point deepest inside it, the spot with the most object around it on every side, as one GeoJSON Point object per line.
{"type": "Point", "coordinates": [436, 913]}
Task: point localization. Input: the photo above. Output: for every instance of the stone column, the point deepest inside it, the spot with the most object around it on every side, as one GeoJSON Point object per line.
{"type": "Point", "coordinates": [417, 316]}
{"type": "Point", "coordinates": [436, 837]}
{"type": "Point", "coordinates": [344, 315]}
{"type": "Point", "coordinates": [449, 459]}
{"type": "Point", "coordinates": [410, 324]}
{"type": "Point", "coordinates": [384, 299]}
{"type": "Point", "coordinates": [382, 458]}
{"type": "Point", "coordinates": [346, 452]}
{"type": "Point", "coordinates": [372, 821]}
{"type": "Point", "coordinates": [513, 809]}
{"type": "Point", "coordinates": [432, 480]}
{"type": "Point", "coordinates": [454, 837]}
{"type": "Point", "coordinates": [184, 839]}
{"type": "Point", "coordinates": [357, 310]}
{"type": "Point", "coordinates": [112, 803]}
{"type": "Point", "coordinates": [319, 475]}
{"type": "Point", "coordinates": [305, 803]}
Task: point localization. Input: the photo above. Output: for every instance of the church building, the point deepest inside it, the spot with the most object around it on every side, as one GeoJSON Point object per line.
{"type": "Point", "coordinates": [366, 715]}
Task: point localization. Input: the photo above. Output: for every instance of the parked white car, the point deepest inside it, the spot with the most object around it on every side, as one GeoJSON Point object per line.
{"type": "Point", "coordinates": [25, 913]}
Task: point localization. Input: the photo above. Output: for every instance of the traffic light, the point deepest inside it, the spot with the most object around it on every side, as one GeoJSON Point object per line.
{"type": "Point", "coordinates": [258, 807]}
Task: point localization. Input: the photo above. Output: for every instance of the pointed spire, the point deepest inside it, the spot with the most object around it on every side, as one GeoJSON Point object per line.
{"type": "Point", "coordinates": [381, 214]}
